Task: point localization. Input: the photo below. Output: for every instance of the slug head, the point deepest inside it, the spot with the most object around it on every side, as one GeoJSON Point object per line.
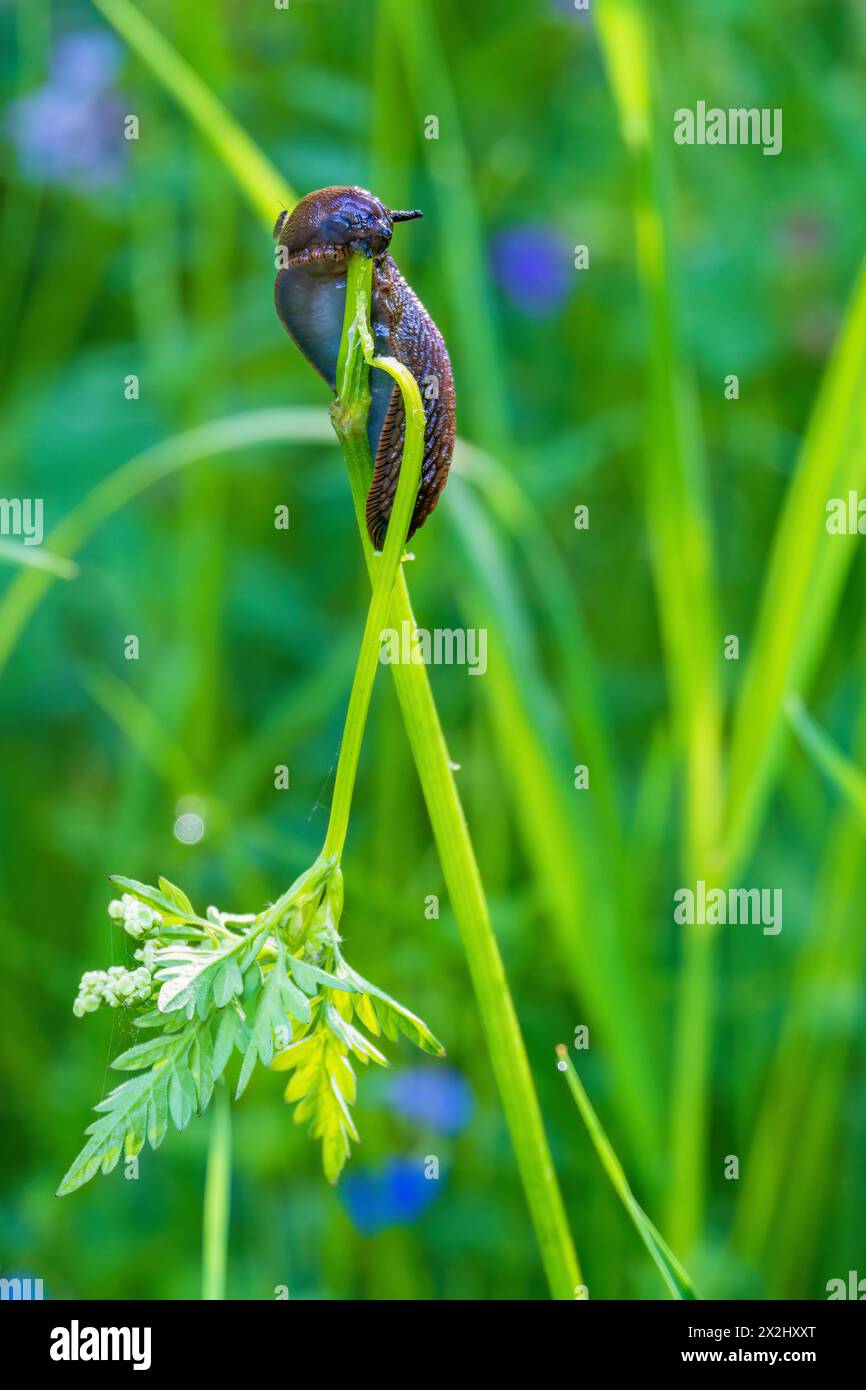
{"type": "Point", "coordinates": [329, 224]}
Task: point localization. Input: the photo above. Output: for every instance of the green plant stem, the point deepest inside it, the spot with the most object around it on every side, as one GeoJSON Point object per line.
{"type": "Point", "coordinates": [353, 403]}
{"type": "Point", "coordinates": [217, 1199]}
{"type": "Point", "coordinates": [463, 881]}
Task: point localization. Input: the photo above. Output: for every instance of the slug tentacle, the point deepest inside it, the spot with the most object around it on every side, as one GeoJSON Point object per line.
{"type": "Point", "coordinates": [310, 296]}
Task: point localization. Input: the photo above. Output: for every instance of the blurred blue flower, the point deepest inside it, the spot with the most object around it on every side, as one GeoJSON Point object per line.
{"type": "Point", "coordinates": [395, 1195]}
{"type": "Point", "coordinates": [533, 265]}
{"type": "Point", "coordinates": [434, 1096]}
{"type": "Point", "coordinates": [69, 131]}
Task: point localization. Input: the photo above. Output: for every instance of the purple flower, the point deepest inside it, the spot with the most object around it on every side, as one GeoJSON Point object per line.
{"type": "Point", "coordinates": [395, 1195]}
{"type": "Point", "coordinates": [533, 263]}
{"type": "Point", "coordinates": [69, 131]}
{"type": "Point", "coordinates": [437, 1097]}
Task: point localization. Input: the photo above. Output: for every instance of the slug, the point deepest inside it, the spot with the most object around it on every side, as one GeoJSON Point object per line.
{"type": "Point", "coordinates": [310, 296]}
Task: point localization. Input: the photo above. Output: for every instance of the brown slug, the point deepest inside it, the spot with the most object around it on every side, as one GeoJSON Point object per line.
{"type": "Point", "coordinates": [310, 296]}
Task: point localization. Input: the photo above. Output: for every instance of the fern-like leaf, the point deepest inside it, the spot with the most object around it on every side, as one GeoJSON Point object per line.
{"type": "Point", "coordinates": [377, 1010]}
{"type": "Point", "coordinates": [178, 1083]}
{"type": "Point", "coordinates": [323, 1088]}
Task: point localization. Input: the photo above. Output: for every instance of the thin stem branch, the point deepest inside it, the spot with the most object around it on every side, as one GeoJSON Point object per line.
{"type": "Point", "coordinates": [217, 1199]}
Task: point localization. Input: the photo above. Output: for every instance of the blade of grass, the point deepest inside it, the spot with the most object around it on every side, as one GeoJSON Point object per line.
{"type": "Point", "coordinates": [581, 697]}
{"type": "Point", "coordinates": [204, 522]}
{"type": "Point", "coordinates": [849, 780]}
{"type": "Point", "coordinates": [574, 864]}
{"type": "Point", "coordinates": [778, 1217]}
{"type": "Point", "coordinates": [34, 557]}
{"type": "Point", "coordinates": [806, 572]}
{"type": "Point", "coordinates": [464, 259]}
{"type": "Point", "coordinates": [779, 1214]}
{"type": "Point", "coordinates": [136, 720]}
{"type": "Point", "coordinates": [674, 1276]}
{"type": "Point", "coordinates": [680, 533]}
{"type": "Point", "coordinates": [261, 181]}
{"type": "Point", "coordinates": [20, 214]}
{"type": "Point", "coordinates": [224, 436]}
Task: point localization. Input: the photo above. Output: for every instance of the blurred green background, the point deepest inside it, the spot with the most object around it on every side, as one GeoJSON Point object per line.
{"type": "Point", "coordinates": [602, 387]}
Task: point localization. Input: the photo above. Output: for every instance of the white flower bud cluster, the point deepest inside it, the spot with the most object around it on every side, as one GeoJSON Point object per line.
{"type": "Point", "coordinates": [115, 987]}
{"type": "Point", "coordinates": [147, 955]}
{"type": "Point", "coordinates": [138, 919]}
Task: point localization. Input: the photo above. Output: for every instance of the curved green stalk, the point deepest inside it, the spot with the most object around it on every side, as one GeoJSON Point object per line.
{"type": "Point", "coordinates": [356, 357]}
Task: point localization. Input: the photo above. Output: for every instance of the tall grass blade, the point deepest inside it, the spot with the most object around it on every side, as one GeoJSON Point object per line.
{"type": "Point", "coordinates": [573, 863]}
{"type": "Point", "coordinates": [235, 432]}
{"type": "Point", "coordinates": [674, 1276]}
{"type": "Point", "coordinates": [262, 182]}
{"type": "Point", "coordinates": [845, 775]}
{"type": "Point", "coordinates": [680, 535]}
{"type": "Point", "coordinates": [807, 570]}
{"type": "Point", "coordinates": [35, 557]}
{"type": "Point", "coordinates": [464, 257]}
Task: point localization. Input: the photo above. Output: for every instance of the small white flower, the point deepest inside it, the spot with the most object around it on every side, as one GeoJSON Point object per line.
{"type": "Point", "coordinates": [138, 919]}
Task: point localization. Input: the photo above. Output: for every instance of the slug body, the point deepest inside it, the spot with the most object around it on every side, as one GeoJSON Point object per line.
{"type": "Point", "coordinates": [310, 295]}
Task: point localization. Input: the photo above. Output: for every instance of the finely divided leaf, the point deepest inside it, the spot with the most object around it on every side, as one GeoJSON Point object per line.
{"type": "Point", "coordinates": [231, 1032]}
{"type": "Point", "coordinates": [353, 1040]}
{"type": "Point", "coordinates": [323, 1087]}
{"type": "Point", "coordinates": [310, 977]}
{"type": "Point", "coordinates": [178, 1083]}
{"type": "Point", "coordinates": [390, 1015]}
{"type": "Point", "coordinates": [145, 1054]}
{"type": "Point", "coordinates": [194, 978]}
{"type": "Point", "coordinates": [278, 1002]}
